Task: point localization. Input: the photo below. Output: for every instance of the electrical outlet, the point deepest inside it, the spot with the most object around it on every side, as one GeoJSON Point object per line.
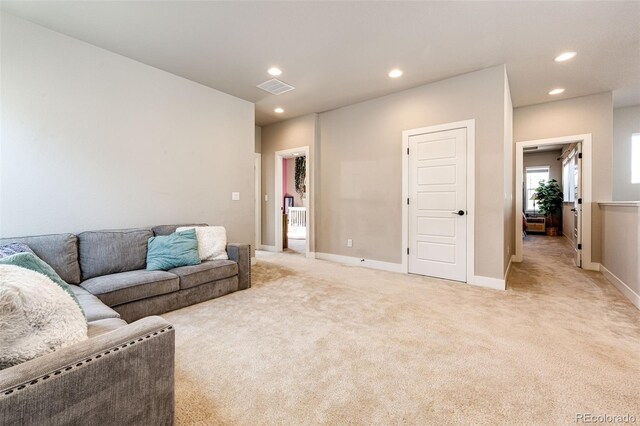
{"type": "Point", "coordinates": [266, 197]}
{"type": "Point", "coordinates": [349, 242]}
{"type": "Point", "coordinates": [235, 196]}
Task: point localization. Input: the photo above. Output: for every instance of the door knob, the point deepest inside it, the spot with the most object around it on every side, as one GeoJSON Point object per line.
{"type": "Point", "coordinates": [459, 212]}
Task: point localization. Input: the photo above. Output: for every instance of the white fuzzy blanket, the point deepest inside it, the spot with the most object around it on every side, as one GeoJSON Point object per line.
{"type": "Point", "coordinates": [36, 316]}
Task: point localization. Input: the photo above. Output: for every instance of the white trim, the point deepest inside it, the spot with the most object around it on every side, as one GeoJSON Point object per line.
{"type": "Point", "coordinates": [587, 161]}
{"type": "Point", "coordinates": [257, 161]}
{"type": "Point", "coordinates": [358, 261]}
{"type": "Point", "coordinates": [620, 203]}
{"type": "Point", "coordinates": [488, 282]}
{"type": "Point", "coordinates": [506, 273]}
{"type": "Point", "coordinates": [470, 125]}
{"type": "Point", "coordinates": [253, 261]}
{"type": "Point", "coordinates": [620, 285]}
{"type": "Point", "coordinates": [265, 247]}
{"type": "Point", "coordinates": [279, 156]}
{"type": "Point", "coordinates": [311, 255]}
{"type": "Point", "coordinates": [492, 283]}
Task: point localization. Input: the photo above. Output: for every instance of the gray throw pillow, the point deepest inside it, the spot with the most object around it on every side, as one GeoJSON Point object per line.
{"type": "Point", "coordinates": [14, 248]}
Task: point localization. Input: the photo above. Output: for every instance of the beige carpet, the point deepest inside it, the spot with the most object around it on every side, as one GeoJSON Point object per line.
{"type": "Point", "coordinates": [314, 342]}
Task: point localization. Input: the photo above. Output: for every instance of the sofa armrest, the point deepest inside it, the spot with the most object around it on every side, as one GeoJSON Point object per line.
{"type": "Point", "coordinates": [241, 253]}
{"type": "Point", "coordinates": [125, 376]}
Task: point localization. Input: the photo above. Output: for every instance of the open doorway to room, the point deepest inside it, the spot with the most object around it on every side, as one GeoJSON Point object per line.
{"type": "Point", "coordinates": [292, 201]}
{"type": "Point", "coordinates": [554, 205]}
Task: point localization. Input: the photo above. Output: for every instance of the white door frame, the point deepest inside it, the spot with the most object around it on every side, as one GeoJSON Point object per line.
{"type": "Point", "coordinates": [470, 125]}
{"type": "Point", "coordinates": [278, 197]}
{"type": "Point", "coordinates": [587, 196]}
{"type": "Point", "coordinates": [257, 161]}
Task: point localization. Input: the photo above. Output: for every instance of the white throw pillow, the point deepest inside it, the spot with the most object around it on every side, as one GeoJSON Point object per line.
{"type": "Point", "coordinates": [36, 316]}
{"type": "Point", "coordinates": [212, 241]}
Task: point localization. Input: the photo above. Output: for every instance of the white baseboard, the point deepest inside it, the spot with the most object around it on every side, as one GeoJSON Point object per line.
{"type": "Point", "coordinates": [488, 282]}
{"type": "Point", "coordinates": [590, 266]}
{"type": "Point", "coordinates": [506, 273]}
{"type": "Point", "coordinates": [620, 285]}
{"type": "Point", "coordinates": [311, 255]}
{"type": "Point", "coordinates": [268, 248]}
{"type": "Point", "coordinates": [358, 261]}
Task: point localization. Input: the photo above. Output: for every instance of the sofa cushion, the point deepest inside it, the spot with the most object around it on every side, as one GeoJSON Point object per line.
{"type": "Point", "coordinates": [10, 249]}
{"type": "Point", "coordinates": [60, 251]}
{"type": "Point", "coordinates": [124, 287]}
{"type": "Point", "coordinates": [30, 261]}
{"type": "Point", "coordinates": [170, 229]}
{"type": "Point", "coordinates": [98, 327]}
{"type": "Point", "coordinates": [36, 316]}
{"type": "Point", "coordinates": [165, 252]}
{"type": "Point", "coordinates": [207, 271]}
{"type": "Point", "coordinates": [93, 307]}
{"type": "Point", "coordinates": [109, 252]}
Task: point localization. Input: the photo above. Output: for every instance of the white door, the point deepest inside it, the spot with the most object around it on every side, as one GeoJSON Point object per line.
{"type": "Point", "coordinates": [577, 204]}
{"type": "Point", "coordinates": [437, 204]}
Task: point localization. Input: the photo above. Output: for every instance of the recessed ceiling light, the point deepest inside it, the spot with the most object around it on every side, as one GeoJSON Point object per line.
{"type": "Point", "coordinates": [395, 73]}
{"type": "Point", "coordinates": [556, 91]}
{"type": "Point", "coordinates": [274, 71]}
{"type": "Point", "coordinates": [279, 110]}
{"type": "Point", "coordinates": [565, 56]}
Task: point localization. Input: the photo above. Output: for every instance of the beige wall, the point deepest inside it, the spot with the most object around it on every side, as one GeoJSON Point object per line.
{"type": "Point", "coordinates": [92, 140]}
{"type": "Point", "coordinates": [258, 139]}
{"type": "Point", "coordinates": [588, 114]}
{"type": "Point", "coordinates": [293, 133]}
{"type": "Point", "coordinates": [360, 178]}
{"type": "Point", "coordinates": [509, 177]}
{"type": "Point", "coordinates": [620, 244]}
{"type": "Point", "coordinates": [626, 121]}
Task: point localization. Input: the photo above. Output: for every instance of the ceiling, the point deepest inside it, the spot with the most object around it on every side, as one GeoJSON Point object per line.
{"type": "Point", "coordinates": [339, 53]}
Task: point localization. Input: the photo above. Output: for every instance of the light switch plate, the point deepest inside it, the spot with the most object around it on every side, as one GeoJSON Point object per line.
{"type": "Point", "coordinates": [266, 197]}
{"type": "Point", "coordinates": [349, 242]}
{"type": "Point", "coordinates": [235, 196]}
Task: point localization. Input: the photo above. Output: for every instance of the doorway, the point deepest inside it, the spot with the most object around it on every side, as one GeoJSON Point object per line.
{"type": "Point", "coordinates": [568, 161]}
{"type": "Point", "coordinates": [293, 201]}
{"type": "Point", "coordinates": [438, 186]}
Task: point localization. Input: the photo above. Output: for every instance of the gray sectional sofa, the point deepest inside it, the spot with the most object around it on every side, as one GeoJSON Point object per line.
{"type": "Point", "coordinates": [123, 374]}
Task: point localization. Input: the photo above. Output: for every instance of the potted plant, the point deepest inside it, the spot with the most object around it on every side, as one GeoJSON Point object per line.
{"type": "Point", "coordinates": [549, 198]}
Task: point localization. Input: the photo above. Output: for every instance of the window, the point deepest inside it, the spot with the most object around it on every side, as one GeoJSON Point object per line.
{"type": "Point", "coordinates": [534, 176]}
{"type": "Point", "coordinates": [635, 158]}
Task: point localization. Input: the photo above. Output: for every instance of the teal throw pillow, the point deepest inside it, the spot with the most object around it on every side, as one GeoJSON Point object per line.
{"type": "Point", "coordinates": [31, 261]}
{"type": "Point", "coordinates": [166, 252]}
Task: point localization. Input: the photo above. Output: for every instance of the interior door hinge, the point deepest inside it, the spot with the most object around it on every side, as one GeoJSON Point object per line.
{"type": "Point", "coordinates": [579, 246]}
{"type": "Point", "coordinates": [580, 155]}
{"type": "Point", "coordinates": [407, 151]}
{"type": "Point", "coordinates": [579, 200]}
{"type": "Point", "coordinates": [407, 250]}
{"type": "Point", "coordinates": [407, 200]}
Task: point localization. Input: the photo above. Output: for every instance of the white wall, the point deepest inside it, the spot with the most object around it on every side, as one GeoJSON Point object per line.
{"type": "Point", "coordinates": [626, 121]}
{"type": "Point", "coordinates": [91, 140]}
